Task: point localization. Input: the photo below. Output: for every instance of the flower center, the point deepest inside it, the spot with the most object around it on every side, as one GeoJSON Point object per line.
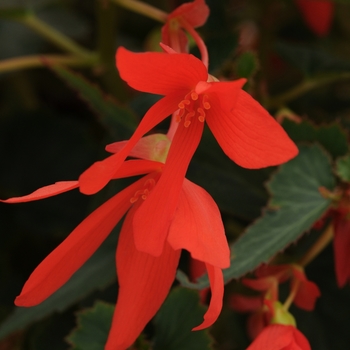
{"type": "Point", "coordinates": [147, 187]}
{"type": "Point", "coordinates": [193, 105]}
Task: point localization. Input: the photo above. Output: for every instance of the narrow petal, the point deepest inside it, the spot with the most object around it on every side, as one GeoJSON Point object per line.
{"type": "Point", "coordinates": [195, 13]}
{"type": "Point", "coordinates": [243, 303]}
{"type": "Point", "coordinates": [57, 268]}
{"type": "Point", "coordinates": [160, 73]}
{"type": "Point", "coordinates": [100, 173]}
{"type": "Point", "coordinates": [45, 192]}
{"type": "Point", "coordinates": [151, 147]}
{"type": "Point", "coordinates": [198, 228]}
{"type": "Point", "coordinates": [157, 212]}
{"type": "Point", "coordinates": [144, 282]}
{"type": "Point", "coordinates": [248, 134]}
{"type": "Point", "coordinates": [217, 293]}
{"type": "Point", "coordinates": [341, 246]}
{"type": "Point", "coordinates": [137, 167]}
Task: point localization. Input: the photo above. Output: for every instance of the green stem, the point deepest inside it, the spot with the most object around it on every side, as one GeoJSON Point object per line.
{"type": "Point", "coordinates": [306, 86]}
{"type": "Point", "coordinates": [319, 245]}
{"type": "Point", "coordinates": [107, 20]}
{"type": "Point", "coordinates": [143, 9]}
{"type": "Point", "coordinates": [53, 35]}
{"type": "Point", "coordinates": [26, 62]}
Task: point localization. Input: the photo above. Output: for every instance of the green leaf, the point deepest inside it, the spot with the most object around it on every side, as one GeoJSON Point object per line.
{"type": "Point", "coordinates": [343, 168]}
{"type": "Point", "coordinates": [93, 327]}
{"type": "Point", "coordinates": [247, 64]}
{"type": "Point", "coordinates": [295, 205]}
{"type": "Point", "coordinates": [96, 273]}
{"type": "Point", "coordinates": [113, 116]}
{"type": "Point", "coordinates": [181, 312]}
{"type": "Point", "coordinates": [332, 137]}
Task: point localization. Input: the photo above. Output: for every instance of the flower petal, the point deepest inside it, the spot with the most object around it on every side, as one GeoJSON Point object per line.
{"type": "Point", "coordinates": [217, 293]}
{"type": "Point", "coordinates": [100, 173]}
{"type": "Point", "coordinates": [151, 147]}
{"type": "Point", "coordinates": [279, 337]}
{"type": "Point", "coordinates": [195, 13]}
{"type": "Point", "coordinates": [45, 192]}
{"type": "Point", "coordinates": [144, 282]}
{"type": "Point", "coordinates": [248, 134]}
{"type": "Point", "coordinates": [160, 73]}
{"type": "Point", "coordinates": [156, 213]}
{"type": "Point", "coordinates": [57, 268]}
{"type": "Point", "coordinates": [341, 246]}
{"type": "Point", "coordinates": [197, 227]}
{"type": "Point", "coordinates": [318, 14]}
{"type": "Point", "coordinates": [137, 167]}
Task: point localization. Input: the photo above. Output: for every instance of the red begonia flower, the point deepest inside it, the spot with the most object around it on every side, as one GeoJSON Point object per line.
{"type": "Point", "coordinates": [341, 247]}
{"type": "Point", "coordinates": [318, 14]}
{"type": "Point", "coordinates": [144, 279]}
{"type": "Point", "coordinates": [305, 292]}
{"type": "Point", "coordinates": [245, 131]}
{"type": "Point", "coordinates": [280, 337]}
{"type": "Point", "coordinates": [187, 16]}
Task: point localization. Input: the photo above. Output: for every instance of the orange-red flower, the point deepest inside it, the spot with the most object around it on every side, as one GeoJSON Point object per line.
{"type": "Point", "coordinates": [280, 337]}
{"type": "Point", "coordinates": [318, 14]}
{"type": "Point", "coordinates": [144, 279]}
{"type": "Point", "coordinates": [186, 17]}
{"type": "Point", "coordinates": [243, 128]}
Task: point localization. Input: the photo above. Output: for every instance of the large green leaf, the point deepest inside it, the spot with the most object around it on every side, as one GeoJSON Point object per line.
{"type": "Point", "coordinates": [93, 327]}
{"type": "Point", "coordinates": [295, 205]}
{"type": "Point", "coordinates": [173, 323]}
{"type": "Point", "coordinates": [112, 115]}
{"type": "Point", "coordinates": [96, 273]}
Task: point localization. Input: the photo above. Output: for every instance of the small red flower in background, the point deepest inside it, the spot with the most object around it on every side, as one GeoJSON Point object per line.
{"type": "Point", "coordinates": [243, 128]}
{"type": "Point", "coordinates": [318, 14]}
{"type": "Point", "coordinates": [263, 308]}
{"type": "Point", "coordinates": [280, 337]}
{"type": "Point", "coordinates": [144, 279]}
{"type": "Point", "coordinates": [187, 16]}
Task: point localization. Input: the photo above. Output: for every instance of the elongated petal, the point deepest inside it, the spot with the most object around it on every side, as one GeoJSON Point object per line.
{"type": "Point", "coordinates": [341, 246]}
{"type": "Point", "coordinates": [100, 173]}
{"type": "Point", "coordinates": [45, 192]}
{"type": "Point", "coordinates": [217, 293]}
{"type": "Point", "coordinates": [137, 167]}
{"type": "Point", "coordinates": [151, 147]}
{"type": "Point", "coordinates": [160, 73]}
{"type": "Point", "coordinates": [195, 13]}
{"type": "Point", "coordinates": [197, 227]}
{"type": "Point", "coordinates": [279, 337]}
{"type": "Point", "coordinates": [156, 213]}
{"type": "Point", "coordinates": [243, 303]}
{"type": "Point", "coordinates": [318, 14]}
{"type": "Point", "coordinates": [144, 282]}
{"type": "Point", "coordinates": [248, 134]}
{"type": "Point", "coordinates": [57, 268]}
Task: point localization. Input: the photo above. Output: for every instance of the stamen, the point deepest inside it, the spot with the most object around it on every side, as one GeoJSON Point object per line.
{"type": "Point", "coordinates": [201, 116]}
{"type": "Point", "coordinates": [193, 105]}
{"type": "Point", "coordinates": [148, 185]}
{"type": "Point", "coordinates": [205, 102]}
{"type": "Point", "coordinates": [194, 96]}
